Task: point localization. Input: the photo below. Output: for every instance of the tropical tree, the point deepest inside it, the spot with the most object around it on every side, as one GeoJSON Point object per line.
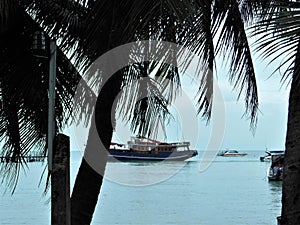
{"type": "Point", "coordinates": [23, 89]}
{"type": "Point", "coordinates": [88, 29]}
{"type": "Point", "coordinates": [279, 30]}
{"type": "Point", "coordinates": [190, 24]}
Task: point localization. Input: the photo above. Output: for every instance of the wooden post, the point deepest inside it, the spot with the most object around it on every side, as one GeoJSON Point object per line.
{"type": "Point", "coordinates": [60, 182]}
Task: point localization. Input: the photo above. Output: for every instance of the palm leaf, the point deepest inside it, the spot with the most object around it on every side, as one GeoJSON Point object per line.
{"type": "Point", "coordinates": [282, 36]}
{"type": "Point", "coordinates": [24, 96]}
{"type": "Point", "coordinates": [233, 41]}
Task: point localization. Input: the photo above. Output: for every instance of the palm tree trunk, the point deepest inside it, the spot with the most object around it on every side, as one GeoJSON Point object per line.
{"type": "Point", "coordinates": [291, 175]}
{"type": "Point", "coordinates": [90, 175]}
{"type": "Point", "coordinates": [85, 194]}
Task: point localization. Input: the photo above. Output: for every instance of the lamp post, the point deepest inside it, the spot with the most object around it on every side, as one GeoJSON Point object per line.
{"type": "Point", "coordinates": [58, 161]}
{"type": "Point", "coordinates": [39, 50]}
{"type": "Point", "coordinates": [51, 103]}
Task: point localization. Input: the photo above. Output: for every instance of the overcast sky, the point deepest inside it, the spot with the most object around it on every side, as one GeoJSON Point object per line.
{"type": "Point", "coordinates": [272, 118]}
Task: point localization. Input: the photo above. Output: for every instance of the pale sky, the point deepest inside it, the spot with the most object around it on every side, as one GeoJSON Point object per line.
{"type": "Point", "coordinates": [272, 118]}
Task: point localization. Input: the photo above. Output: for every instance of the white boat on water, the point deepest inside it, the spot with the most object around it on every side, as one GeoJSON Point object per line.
{"type": "Point", "coordinates": [229, 153]}
{"type": "Point", "coordinates": [275, 171]}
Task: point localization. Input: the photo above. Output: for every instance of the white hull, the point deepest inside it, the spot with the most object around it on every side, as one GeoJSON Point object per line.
{"type": "Point", "coordinates": [234, 154]}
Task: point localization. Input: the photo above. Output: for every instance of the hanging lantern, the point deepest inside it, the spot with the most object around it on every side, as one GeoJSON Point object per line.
{"type": "Point", "coordinates": [38, 46]}
{"type": "Point", "coordinates": [38, 41]}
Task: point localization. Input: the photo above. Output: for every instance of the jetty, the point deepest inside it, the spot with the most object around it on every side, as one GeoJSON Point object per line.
{"type": "Point", "coordinates": [30, 158]}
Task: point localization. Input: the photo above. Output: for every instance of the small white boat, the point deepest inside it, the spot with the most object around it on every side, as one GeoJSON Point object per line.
{"type": "Point", "coordinates": [229, 153]}
{"type": "Point", "coordinates": [275, 171]}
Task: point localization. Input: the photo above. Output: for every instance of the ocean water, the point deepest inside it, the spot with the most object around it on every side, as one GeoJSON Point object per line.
{"type": "Point", "coordinates": [231, 191]}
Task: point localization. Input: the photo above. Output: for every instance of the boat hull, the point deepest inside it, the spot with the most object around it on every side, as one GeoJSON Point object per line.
{"type": "Point", "coordinates": [115, 155]}
{"type": "Point", "coordinates": [234, 154]}
{"type": "Point", "coordinates": [275, 177]}
{"type": "Point", "coordinates": [272, 178]}
{"type": "Point", "coordinates": [231, 153]}
{"type": "Point", "coordinates": [275, 171]}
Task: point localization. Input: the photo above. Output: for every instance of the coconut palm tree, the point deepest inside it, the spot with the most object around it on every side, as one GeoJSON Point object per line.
{"type": "Point", "coordinates": [194, 29]}
{"type": "Point", "coordinates": [23, 89]}
{"type": "Point", "coordinates": [280, 29]}
{"type": "Point", "coordinates": [95, 27]}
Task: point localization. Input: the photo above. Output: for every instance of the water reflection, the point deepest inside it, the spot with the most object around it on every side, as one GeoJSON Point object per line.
{"type": "Point", "coordinates": [275, 186]}
{"type": "Point", "coordinates": [142, 173]}
{"type": "Point", "coordinates": [275, 192]}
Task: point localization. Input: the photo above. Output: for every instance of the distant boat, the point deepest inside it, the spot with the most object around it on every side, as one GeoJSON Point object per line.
{"type": "Point", "coordinates": [267, 157]}
{"type": "Point", "coordinates": [229, 153]}
{"type": "Point", "coordinates": [275, 171]}
{"type": "Point", "coordinates": [141, 148]}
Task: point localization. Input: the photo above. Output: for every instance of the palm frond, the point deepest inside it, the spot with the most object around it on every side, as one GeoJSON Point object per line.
{"type": "Point", "coordinates": [201, 41]}
{"type": "Point", "coordinates": [279, 32]}
{"type": "Point", "coordinates": [8, 15]}
{"type": "Point", "coordinates": [142, 104]}
{"type": "Point", "coordinates": [233, 41]}
{"type": "Point", "coordinates": [157, 14]}
{"type": "Point", "coordinates": [24, 97]}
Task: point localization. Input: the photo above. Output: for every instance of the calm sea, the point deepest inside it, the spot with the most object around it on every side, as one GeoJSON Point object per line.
{"type": "Point", "coordinates": [232, 191]}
